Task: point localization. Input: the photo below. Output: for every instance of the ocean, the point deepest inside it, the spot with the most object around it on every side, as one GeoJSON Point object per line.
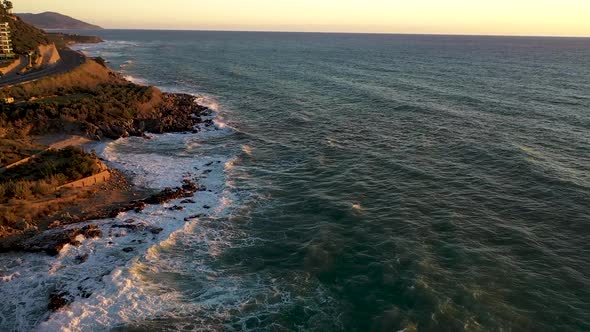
{"type": "Point", "coordinates": [356, 183]}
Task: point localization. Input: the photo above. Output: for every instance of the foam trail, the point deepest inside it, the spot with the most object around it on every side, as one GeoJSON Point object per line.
{"type": "Point", "coordinates": [109, 287]}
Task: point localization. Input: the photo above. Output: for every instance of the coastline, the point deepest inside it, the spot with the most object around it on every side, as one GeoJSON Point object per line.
{"type": "Point", "coordinates": [172, 113]}
{"type": "Point", "coordinates": [98, 234]}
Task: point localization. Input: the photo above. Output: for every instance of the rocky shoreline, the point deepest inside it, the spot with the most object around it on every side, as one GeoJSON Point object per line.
{"type": "Point", "coordinates": [52, 240]}
{"type": "Point", "coordinates": [177, 113]}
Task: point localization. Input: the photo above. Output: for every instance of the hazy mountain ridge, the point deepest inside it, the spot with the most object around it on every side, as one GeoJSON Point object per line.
{"type": "Point", "coordinates": [52, 20]}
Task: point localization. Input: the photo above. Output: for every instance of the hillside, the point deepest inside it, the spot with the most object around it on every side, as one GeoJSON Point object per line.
{"type": "Point", "coordinates": [51, 20]}
{"type": "Point", "coordinates": [25, 37]}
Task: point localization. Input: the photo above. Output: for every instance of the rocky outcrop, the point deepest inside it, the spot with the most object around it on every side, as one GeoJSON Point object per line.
{"type": "Point", "coordinates": [63, 40]}
{"type": "Point", "coordinates": [48, 56]}
{"type": "Point", "coordinates": [175, 114]}
{"type": "Point", "coordinates": [187, 190]}
{"type": "Point", "coordinates": [58, 300]}
{"type": "Point", "coordinates": [52, 241]}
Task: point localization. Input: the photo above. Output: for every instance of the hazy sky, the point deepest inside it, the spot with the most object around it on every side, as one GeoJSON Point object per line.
{"type": "Point", "coordinates": [504, 17]}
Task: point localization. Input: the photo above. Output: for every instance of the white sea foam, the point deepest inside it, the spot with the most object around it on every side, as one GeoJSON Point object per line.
{"type": "Point", "coordinates": [113, 276]}
{"type": "Point", "coordinates": [208, 101]}
{"type": "Point", "coordinates": [139, 275]}
{"type": "Point", "coordinates": [136, 80]}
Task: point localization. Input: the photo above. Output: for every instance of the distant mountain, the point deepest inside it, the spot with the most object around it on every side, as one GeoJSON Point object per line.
{"type": "Point", "coordinates": [51, 20]}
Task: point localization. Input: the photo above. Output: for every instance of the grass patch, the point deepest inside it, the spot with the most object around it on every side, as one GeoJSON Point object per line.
{"type": "Point", "coordinates": [43, 174]}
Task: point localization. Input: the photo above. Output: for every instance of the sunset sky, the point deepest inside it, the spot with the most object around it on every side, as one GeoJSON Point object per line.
{"type": "Point", "coordinates": [497, 17]}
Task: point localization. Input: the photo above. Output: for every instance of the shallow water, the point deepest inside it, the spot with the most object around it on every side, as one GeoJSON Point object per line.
{"type": "Point", "coordinates": [359, 182]}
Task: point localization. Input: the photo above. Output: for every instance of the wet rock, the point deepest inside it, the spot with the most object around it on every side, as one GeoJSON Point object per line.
{"type": "Point", "coordinates": [52, 241]}
{"type": "Point", "coordinates": [166, 195]}
{"type": "Point", "coordinates": [91, 232]}
{"type": "Point", "coordinates": [176, 208]}
{"type": "Point", "coordinates": [131, 227]}
{"type": "Point", "coordinates": [195, 216]}
{"type": "Point", "coordinates": [139, 207]}
{"type": "Point", "coordinates": [188, 201]}
{"type": "Point", "coordinates": [206, 207]}
{"type": "Point", "coordinates": [155, 230]}
{"type": "Point", "coordinates": [58, 300]}
{"type": "Point", "coordinates": [84, 293]}
{"type": "Point", "coordinates": [128, 249]}
{"type": "Point", "coordinates": [82, 258]}
{"type": "Point", "coordinates": [189, 185]}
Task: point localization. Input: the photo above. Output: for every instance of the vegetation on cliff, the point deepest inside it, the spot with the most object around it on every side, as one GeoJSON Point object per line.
{"type": "Point", "coordinates": [45, 172]}
{"type": "Point", "coordinates": [25, 37]}
{"type": "Point", "coordinates": [78, 109]}
{"type": "Point", "coordinates": [63, 40]}
{"type": "Point", "coordinates": [90, 101]}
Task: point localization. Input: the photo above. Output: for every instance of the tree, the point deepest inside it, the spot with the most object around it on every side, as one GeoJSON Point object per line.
{"type": "Point", "coordinates": [8, 5]}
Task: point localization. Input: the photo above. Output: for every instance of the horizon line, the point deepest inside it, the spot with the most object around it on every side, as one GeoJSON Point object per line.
{"type": "Point", "coordinates": [339, 32]}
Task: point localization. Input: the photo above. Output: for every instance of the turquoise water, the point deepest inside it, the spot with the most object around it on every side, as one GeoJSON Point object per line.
{"type": "Point", "coordinates": [384, 182]}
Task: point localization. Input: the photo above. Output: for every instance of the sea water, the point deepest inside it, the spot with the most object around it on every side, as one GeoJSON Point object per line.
{"type": "Point", "coordinates": [355, 183]}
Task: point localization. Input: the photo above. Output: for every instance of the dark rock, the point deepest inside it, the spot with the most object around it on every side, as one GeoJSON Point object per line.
{"type": "Point", "coordinates": [189, 185]}
{"type": "Point", "coordinates": [91, 232]}
{"type": "Point", "coordinates": [166, 195]}
{"type": "Point", "coordinates": [58, 300]}
{"type": "Point", "coordinates": [188, 189]}
{"type": "Point", "coordinates": [82, 258]}
{"type": "Point", "coordinates": [195, 216]}
{"type": "Point", "coordinates": [140, 206]}
{"type": "Point", "coordinates": [53, 240]}
{"type": "Point", "coordinates": [176, 208]}
{"type": "Point", "coordinates": [156, 230]}
{"type": "Point", "coordinates": [206, 207]}
{"type": "Point", "coordinates": [128, 249]}
{"type": "Point", "coordinates": [84, 293]}
{"type": "Point", "coordinates": [131, 227]}
{"type": "Point", "coordinates": [188, 201]}
{"type": "Point", "coordinates": [176, 113]}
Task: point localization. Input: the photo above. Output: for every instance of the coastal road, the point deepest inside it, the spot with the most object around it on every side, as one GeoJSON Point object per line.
{"type": "Point", "coordinates": [69, 60]}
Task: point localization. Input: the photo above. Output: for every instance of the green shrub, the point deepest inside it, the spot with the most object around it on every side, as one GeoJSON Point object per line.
{"type": "Point", "coordinates": [45, 173]}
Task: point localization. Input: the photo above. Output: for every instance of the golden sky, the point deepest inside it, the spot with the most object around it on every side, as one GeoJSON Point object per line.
{"type": "Point", "coordinates": [495, 17]}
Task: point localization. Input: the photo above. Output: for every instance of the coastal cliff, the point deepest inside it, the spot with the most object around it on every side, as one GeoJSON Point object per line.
{"type": "Point", "coordinates": [93, 102]}
{"type": "Point", "coordinates": [48, 183]}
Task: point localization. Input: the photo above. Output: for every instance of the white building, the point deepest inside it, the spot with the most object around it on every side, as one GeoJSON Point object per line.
{"type": "Point", "coordinates": [6, 51]}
